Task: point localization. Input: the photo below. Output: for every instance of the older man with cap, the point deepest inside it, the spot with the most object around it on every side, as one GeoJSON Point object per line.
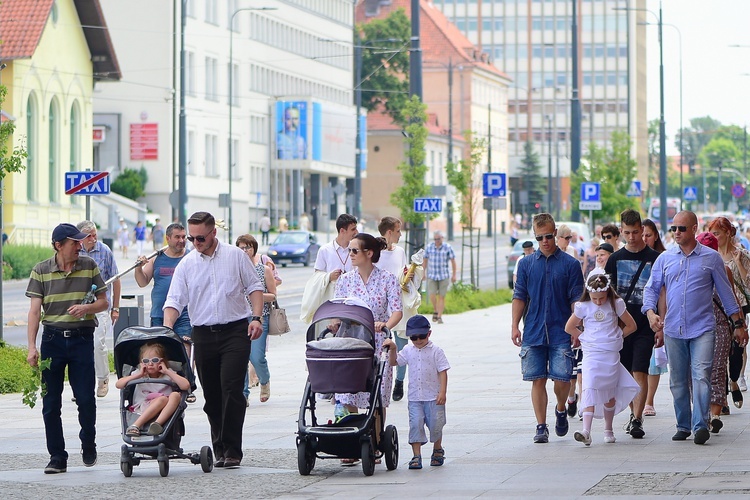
{"type": "Point", "coordinates": [437, 256]}
{"type": "Point", "coordinates": [528, 249]}
{"type": "Point", "coordinates": [61, 287]}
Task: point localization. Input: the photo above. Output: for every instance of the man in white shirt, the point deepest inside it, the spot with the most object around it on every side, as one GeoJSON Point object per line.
{"type": "Point", "coordinates": [333, 260]}
{"type": "Point", "coordinates": [216, 282]}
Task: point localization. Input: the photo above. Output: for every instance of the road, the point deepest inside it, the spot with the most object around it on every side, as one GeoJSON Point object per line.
{"type": "Point", "coordinates": [16, 304]}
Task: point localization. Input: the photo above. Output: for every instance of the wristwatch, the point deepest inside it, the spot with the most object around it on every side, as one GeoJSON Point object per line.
{"type": "Point", "coordinates": [740, 323]}
{"type": "Point", "coordinates": [116, 309]}
{"type": "Point", "coordinates": [256, 318]}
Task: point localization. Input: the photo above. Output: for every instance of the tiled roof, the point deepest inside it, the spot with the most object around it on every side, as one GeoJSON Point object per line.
{"type": "Point", "coordinates": [440, 40]}
{"type": "Point", "coordinates": [22, 23]}
{"type": "Point", "coordinates": [380, 120]}
{"type": "Point", "coordinates": [21, 26]}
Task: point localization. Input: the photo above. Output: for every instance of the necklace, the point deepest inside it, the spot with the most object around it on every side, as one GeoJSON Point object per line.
{"type": "Point", "coordinates": [343, 261]}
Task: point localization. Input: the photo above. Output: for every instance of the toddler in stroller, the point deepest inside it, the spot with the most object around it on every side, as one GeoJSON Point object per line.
{"type": "Point", "coordinates": [153, 400]}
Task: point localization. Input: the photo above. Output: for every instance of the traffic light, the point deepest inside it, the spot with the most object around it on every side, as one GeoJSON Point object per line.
{"type": "Point", "coordinates": [537, 205]}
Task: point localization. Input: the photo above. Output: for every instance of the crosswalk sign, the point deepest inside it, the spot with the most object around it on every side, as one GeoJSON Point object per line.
{"type": "Point", "coordinates": [635, 190]}
{"type": "Point", "coordinates": [690, 193]}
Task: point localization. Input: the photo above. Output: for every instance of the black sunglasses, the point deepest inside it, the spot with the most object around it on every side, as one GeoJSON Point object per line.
{"type": "Point", "coordinates": [681, 229]}
{"type": "Point", "coordinates": [567, 237]}
{"type": "Point", "coordinates": [199, 239]}
{"type": "Point", "coordinates": [418, 337]}
{"type": "Point", "coordinates": [353, 251]}
{"type": "Point", "coordinates": [608, 236]}
{"type": "Point", "coordinates": [548, 236]}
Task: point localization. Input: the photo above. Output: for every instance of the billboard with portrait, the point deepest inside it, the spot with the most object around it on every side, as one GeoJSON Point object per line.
{"type": "Point", "coordinates": [291, 130]}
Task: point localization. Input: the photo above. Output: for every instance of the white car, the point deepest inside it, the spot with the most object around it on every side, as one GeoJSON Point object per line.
{"type": "Point", "coordinates": [582, 230]}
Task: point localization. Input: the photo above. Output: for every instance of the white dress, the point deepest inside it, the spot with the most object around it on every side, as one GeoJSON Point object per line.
{"type": "Point", "coordinates": [604, 377]}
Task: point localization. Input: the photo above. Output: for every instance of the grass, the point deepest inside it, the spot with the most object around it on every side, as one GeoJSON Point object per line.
{"type": "Point", "coordinates": [16, 376]}
{"type": "Point", "coordinates": [463, 297]}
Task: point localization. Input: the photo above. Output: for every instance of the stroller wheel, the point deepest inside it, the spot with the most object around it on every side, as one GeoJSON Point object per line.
{"type": "Point", "coordinates": [207, 459]}
{"type": "Point", "coordinates": [305, 458]}
{"type": "Point", "coordinates": [164, 467]}
{"type": "Point", "coordinates": [368, 458]}
{"type": "Point", "coordinates": [390, 447]}
{"type": "Point", "coordinates": [127, 468]}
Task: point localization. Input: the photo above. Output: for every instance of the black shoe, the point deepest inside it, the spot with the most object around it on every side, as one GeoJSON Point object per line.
{"type": "Point", "coordinates": [56, 466]}
{"type": "Point", "coordinates": [231, 463]}
{"type": "Point", "coordinates": [561, 423]}
{"type": "Point", "coordinates": [219, 462]}
{"type": "Point", "coordinates": [680, 436]}
{"type": "Point", "coordinates": [89, 456]}
{"type": "Point", "coordinates": [573, 407]}
{"type": "Point", "coordinates": [701, 436]}
{"type": "Point", "coordinates": [629, 425]}
{"type": "Point", "coordinates": [398, 390]}
{"type": "Point", "coordinates": [716, 424]}
{"type": "Point", "coordinates": [636, 429]}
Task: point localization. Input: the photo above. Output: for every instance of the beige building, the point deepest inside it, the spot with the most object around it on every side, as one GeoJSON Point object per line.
{"type": "Point", "coordinates": [50, 93]}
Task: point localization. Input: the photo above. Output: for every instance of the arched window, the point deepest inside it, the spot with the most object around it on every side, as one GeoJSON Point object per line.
{"type": "Point", "coordinates": [75, 141]}
{"type": "Point", "coordinates": [54, 125]}
{"type": "Point", "coordinates": [31, 148]}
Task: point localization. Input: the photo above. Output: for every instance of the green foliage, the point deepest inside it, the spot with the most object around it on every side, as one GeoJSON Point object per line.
{"type": "Point", "coordinates": [413, 172]}
{"type": "Point", "coordinates": [10, 161]}
{"type": "Point", "coordinates": [614, 169]}
{"type": "Point", "coordinates": [22, 258]}
{"type": "Point", "coordinates": [16, 375]}
{"type": "Point", "coordinates": [465, 177]}
{"type": "Point", "coordinates": [531, 179]}
{"type": "Point", "coordinates": [464, 297]}
{"type": "Point", "coordinates": [385, 64]}
{"type": "Point", "coordinates": [697, 136]}
{"type": "Point", "coordinates": [131, 183]}
{"type": "Point", "coordinates": [34, 387]}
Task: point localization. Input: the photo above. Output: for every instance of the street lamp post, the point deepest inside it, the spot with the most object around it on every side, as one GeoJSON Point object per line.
{"type": "Point", "coordinates": [549, 163]}
{"type": "Point", "coordinates": [182, 167]}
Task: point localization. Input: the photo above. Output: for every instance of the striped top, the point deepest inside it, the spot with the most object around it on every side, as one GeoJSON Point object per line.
{"type": "Point", "coordinates": [60, 290]}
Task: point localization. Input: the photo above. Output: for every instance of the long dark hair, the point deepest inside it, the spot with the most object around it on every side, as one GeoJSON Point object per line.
{"type": "Point", "coordinates": [370, 242]}
{"type": "Point", "coordinates": [658, 244]}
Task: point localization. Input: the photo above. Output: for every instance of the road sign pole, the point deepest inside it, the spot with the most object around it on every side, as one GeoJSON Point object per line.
{"type": "Point", "coordinates": [494, 234]}
{"type": "Point", "coordinates": [591, 221]}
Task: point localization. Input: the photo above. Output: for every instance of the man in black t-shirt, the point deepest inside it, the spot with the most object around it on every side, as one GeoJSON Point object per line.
{"type": "Point", "coordinates": [630, 264]}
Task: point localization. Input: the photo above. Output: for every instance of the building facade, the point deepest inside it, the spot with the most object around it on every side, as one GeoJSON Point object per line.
{"type": "Point", "coordinates": [531, 41]}
{"type": "Point", "coordinates": [290, 75]}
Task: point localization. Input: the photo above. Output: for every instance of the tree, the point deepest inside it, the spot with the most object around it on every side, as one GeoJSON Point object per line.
{"type": "Point", "coordinates": [700, 133]}
{"type": "Point", "coordinates": [131, 183]}
{"type": "Point", "coordinates": [720, 153]}
{"type": "Point", "coordinates": [614, 169]}
{"type": "Point", "coordinates": [653, 158]}
{"type": "Point", "coordinates": [11, 161]}
{"type": "Point", "coordinates": [385, 64]}
{"type": "Point", "coordinates": [531, 179]}
{"type": "Point", "coordinates": [414, 171]}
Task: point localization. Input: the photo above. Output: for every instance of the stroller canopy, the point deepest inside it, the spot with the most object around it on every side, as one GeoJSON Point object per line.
{"type": "Point", "coordinates": [128, 346]}
{"type": "Point", "coordinates": [352, 310]}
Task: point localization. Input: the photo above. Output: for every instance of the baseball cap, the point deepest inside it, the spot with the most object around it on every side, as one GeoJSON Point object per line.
{"type": "Point", "coordinates": [417, 325]}
{"type": "Point", "coordinates": [606, 247]}
{"type": "Point", "coordinates": [527, 244]}
{"type": "Point", "coordinates": [69, 231]}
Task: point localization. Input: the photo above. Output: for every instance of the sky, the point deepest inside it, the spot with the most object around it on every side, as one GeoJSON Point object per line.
{"type": "Point", "coordinates": [715, 76]}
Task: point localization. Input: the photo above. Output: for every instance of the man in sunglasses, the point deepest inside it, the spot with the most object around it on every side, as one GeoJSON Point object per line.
{"type": "Point", "coordinates": [216, 281]}
{"type": "Point", "coordinates": [690, 272]}
{"type": "Point", "coordinates": [549, 283]}
{"type": "Point", "coordinates": [611, 235]}
{"type": "Point", "coordinates": [629, 269]}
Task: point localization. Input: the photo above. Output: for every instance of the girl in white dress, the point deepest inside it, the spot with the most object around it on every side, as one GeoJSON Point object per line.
{"type": "Point", "coordinates": [608, 388]}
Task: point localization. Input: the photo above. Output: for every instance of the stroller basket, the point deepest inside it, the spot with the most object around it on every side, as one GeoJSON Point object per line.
{"type": "Point", "coordinates": [339, 365]}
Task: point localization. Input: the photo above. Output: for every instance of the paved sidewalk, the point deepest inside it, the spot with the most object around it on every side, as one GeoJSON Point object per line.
{"type": "Point", "coordinates": [488, 442]}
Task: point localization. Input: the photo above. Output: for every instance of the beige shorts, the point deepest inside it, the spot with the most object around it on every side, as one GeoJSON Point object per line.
{"type": "Point", "coordinates": [439, 287]}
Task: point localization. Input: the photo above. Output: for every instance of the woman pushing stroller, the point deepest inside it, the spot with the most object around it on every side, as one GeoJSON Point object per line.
{"type": "Point", "coordinates": [153, 400]}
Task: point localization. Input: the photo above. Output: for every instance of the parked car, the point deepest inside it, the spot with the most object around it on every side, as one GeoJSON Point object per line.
{"type": "Point", "coordinates": [515, 253]}
{"type": "Point", "coordinates": [294, 247]}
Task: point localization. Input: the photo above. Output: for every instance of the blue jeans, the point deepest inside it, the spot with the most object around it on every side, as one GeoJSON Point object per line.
{"type": "Point", "coordinates": [258, 359]}
{"type": "Point", "coordinates": [547, 361]}
{"type": "Point", "coordinates": [691, 358]}
{"type": "Point", "coordinates": [400, 344]}
{"type": "Point", "coordinates": [77, 353]}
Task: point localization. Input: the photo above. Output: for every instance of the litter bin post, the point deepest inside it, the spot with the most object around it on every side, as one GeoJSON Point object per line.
{"type": "Point", "coordinates": [130, 315]}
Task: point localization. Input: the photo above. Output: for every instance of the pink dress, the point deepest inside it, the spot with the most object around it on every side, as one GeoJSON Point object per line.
{"type": "Point", "coordinates": [146, 392]}
{"type": "Point", "coordinates": [382, 294]}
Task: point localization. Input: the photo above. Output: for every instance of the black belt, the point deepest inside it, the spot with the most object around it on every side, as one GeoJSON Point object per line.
{"type": "Point", "coordinates": [222, 327]}
{"type": "Point", "coordinates": [71, 332]}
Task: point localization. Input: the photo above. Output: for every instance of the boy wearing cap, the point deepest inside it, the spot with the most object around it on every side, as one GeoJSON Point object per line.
{"type": "Point", "coordinates": [58, 286]}
{"type": "Point", "coordinates": [428, 383]}
{"type": "Point", "coordinates": [603, 252]}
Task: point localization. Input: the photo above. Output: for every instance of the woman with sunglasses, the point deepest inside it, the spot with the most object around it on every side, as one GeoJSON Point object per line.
{"type": "Point", "coordinates": [248, 244]}
{"type": "Point", "coordinates": [738, 262]}
{"type": "Point", "coordinates": [380, 290]}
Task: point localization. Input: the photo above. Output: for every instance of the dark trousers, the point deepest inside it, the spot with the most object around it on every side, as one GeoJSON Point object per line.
{"type": "Point", "coordinates": [264, 237]}
{"type": "Point", "coordinates": [221, 356]}
{"type": "Point", "coordinates": [77, 353]}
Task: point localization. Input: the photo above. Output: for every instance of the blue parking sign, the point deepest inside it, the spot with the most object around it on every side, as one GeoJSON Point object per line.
{"type": "Point", "coordinates": [590, 191]}
{"type": "Point", "coordinates": [493, 184]}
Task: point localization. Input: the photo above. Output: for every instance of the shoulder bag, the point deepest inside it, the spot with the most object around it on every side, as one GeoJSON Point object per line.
{"type": "Point", "coordinates": [277, 322]}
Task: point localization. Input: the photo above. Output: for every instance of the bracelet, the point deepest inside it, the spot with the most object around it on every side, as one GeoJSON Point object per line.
{"type": "Point", "coordinates": [116, 309]}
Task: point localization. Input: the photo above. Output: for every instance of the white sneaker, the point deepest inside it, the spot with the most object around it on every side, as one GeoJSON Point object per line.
{"type": "Point", "coordinates": [583, 437]}
{"type": "Point", "coordinates": [742, 383]}
{"type": "Point", "coordinates": [102, 388]}
{"type": "Point", "coordinates": [609, 437]}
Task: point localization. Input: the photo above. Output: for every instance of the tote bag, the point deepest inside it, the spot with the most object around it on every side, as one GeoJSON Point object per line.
{"type": "Point", "coordinates": [277, 322]}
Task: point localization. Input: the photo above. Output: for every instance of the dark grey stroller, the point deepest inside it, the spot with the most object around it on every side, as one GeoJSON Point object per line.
{"type": "Point", "coordinates": [167, 444]}
{"type": "Point", "coordinates": [341, 358]}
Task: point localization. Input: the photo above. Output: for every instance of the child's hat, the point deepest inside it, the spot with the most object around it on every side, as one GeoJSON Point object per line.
{"type": "Point", "coordinates": [417, 325]}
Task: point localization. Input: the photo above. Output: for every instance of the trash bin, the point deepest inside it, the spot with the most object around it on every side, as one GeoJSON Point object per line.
{"type": "Point", "coordinates": [130, 315]}
{"type": "Point", "coordinates": [110, 242]}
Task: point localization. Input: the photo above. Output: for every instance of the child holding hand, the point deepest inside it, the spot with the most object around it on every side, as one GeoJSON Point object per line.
{"type": "Point", "coordinates": [428, 383]}
{"type": "Point", "coordinates": [153, 400]}
{"type": "Point", "coordinates": [608, 388]}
